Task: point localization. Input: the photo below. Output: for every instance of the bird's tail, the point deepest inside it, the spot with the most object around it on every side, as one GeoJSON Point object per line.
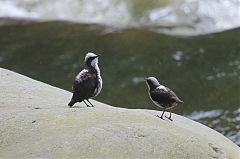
{"type": "Point", "coordinates": [71, 103]}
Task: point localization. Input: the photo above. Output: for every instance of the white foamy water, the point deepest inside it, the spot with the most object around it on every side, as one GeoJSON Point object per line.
{"type": "Point", "coordinates": [10, 9]}
{"type": "Point", "coordinates": [187, 17]}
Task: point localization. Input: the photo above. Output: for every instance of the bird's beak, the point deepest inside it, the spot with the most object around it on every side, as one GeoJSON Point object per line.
{"type": "Point", "coordinates": [97, 55]}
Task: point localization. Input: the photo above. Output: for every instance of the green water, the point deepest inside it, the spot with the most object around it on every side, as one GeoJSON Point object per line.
{"type": "Point", "coordinates": [204, 71]}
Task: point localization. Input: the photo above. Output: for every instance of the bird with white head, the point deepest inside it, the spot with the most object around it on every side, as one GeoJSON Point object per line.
{"type": "Point", "coordinates": [162, 96]}
{"type": "Point", "coordinates": [88, 82]}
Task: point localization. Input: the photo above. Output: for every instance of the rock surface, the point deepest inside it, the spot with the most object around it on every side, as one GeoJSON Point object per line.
{"type": "Point", "coordinates": [35, 122]}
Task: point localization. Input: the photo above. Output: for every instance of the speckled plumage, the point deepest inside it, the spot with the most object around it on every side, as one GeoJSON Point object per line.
{"type": "Point", "coordinates": [162, 96]}
{"type": "Point", "coordinates": [88, 82]}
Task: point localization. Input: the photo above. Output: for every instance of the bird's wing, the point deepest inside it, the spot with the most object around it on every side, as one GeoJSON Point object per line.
{"type": "Point", "coordinates": [160, 94]}
{"type": "Point", "coordinates": [164, 95]}
{"type": "Point", "coordinates": [84, 86]}
{"type": "Point", "coordinates": [174, 96]}
{"type": "Point", "coordinates": [84, 81]}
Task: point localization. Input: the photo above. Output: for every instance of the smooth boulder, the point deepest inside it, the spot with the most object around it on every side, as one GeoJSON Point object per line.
{"type": "Point", "coordinates": [35, 122]}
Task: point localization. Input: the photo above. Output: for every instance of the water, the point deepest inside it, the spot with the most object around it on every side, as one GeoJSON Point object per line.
{"type": "Point", "coordinates": [203, 70]}
{"type": "Point", "coordinates": [176, 17]}
{"type": "Point", "coordinates": [223, 121]}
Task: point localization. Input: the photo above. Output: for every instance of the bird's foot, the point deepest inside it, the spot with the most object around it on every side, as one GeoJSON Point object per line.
{"type": "Point", "coordinates": [89, 105]}
{"type": "Point", "coordinates": [169, 118]}
{"type": "Point", "coordinates": [159, 117]}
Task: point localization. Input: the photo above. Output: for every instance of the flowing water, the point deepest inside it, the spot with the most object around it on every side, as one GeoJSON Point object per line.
{"type": "Point", "coordinates": [203, 70]}
{"type": "Point", "coordinates": [183, 17]}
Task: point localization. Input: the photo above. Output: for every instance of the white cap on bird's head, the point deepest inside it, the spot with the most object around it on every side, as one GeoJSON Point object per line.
{"type": "Point", "coordinates": [91, 59]}
{"type": "Point", "coordinates": [152, 82]}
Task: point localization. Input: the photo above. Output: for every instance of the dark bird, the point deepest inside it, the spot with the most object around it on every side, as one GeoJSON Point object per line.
{"type": "Point", "coordinates": [88, 82]}
{"type": "Point", "coordinates": [162, 96]}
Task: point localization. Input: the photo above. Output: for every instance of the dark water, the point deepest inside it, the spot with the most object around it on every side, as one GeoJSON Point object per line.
{"type": "Point", "coordinates": [204, 70]}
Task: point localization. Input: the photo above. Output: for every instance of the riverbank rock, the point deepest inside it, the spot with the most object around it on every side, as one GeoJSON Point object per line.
{"type": "Point", "coordinates": [35, 122]}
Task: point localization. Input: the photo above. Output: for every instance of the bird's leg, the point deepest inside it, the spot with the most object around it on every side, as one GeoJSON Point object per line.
{"type": "Point", "coordinates": [161, 115]}
{"type": "Point", "coordinates": [170, 117]}
{"type": "Point", "coordinates": [90, 103]}
{"type": "Point", "coordinates": [86, 103]}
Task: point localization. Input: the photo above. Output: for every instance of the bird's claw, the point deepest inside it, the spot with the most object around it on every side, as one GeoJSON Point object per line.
{"type": "Point", "coordinates": [168, 118]}
{"type": "Point", "coordinates": [159, 117]}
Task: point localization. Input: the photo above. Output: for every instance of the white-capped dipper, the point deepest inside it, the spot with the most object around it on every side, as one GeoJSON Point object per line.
{"type": "Point", "coordinates": [162, 96]}
{"type": "Point", "coordinates": [88, 82]}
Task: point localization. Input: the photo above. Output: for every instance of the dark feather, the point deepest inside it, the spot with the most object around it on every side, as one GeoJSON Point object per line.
{"type": "Point", "coordinates": [174, 96]}
{"type": "Point", "coordinates": [166, 98]}
{"type": "Point", "coordinates": [84, 85]}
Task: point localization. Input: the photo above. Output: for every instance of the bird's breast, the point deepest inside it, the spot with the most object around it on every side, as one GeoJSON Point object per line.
{"type": "Point", "coordinates": [99, 86]}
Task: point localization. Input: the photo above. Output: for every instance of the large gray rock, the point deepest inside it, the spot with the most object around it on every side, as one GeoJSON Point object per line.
{"type": "Point", "coordinates": [56, 131]}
